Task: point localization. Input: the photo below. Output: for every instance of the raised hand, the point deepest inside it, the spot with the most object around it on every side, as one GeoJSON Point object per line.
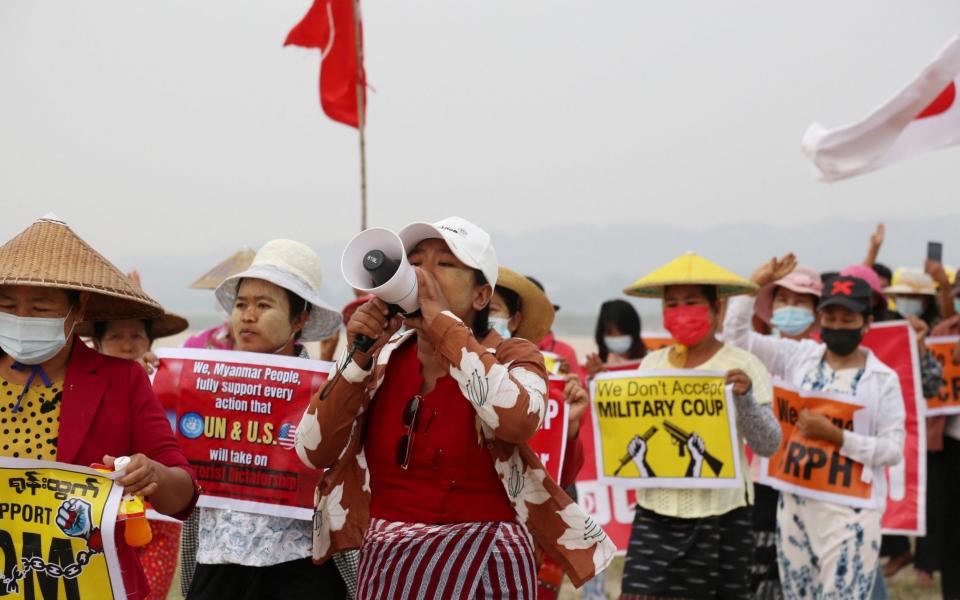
{"type": "Point", "coordinates": [594, 364]}
{"type": "Point", "coordinates": [774, 269]}
{"type": "Point", "coordinates": [876, 238]}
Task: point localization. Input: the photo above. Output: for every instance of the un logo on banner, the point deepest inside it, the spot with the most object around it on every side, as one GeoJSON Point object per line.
{"type": "Point", "coordinates": [191, 425]}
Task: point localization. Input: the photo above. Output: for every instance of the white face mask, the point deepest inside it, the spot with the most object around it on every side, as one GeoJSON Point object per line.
{"type": "Point", "coordinates": [909, 307]}
{"type": "Point", "coordinates": [501, 326]}
{"type": "Point", "coordinates": [33, 340]}
{"type": "Point", "coordinates": [618, 344]}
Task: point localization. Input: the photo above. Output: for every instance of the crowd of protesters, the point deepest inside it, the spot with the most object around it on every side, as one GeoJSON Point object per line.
{"type": "Point", "coordinates": [429, 487]}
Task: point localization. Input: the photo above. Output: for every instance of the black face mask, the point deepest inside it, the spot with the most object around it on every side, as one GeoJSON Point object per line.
{"type": "Point", "coordinates": [841, 342]}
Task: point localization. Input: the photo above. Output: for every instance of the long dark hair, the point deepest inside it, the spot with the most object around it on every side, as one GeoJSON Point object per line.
{"type": "Point", "coordinates": [622, 315]}
{"type": "Point", "coordinates": [931, 314]}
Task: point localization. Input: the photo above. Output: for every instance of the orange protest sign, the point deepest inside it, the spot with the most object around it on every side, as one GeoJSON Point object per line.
{"type": "Point", "coordinates": [815, 468]}
{"type": "Point", "coordinates": [654, 340]}
{"type": "Point", "coordinates": [947, 401]}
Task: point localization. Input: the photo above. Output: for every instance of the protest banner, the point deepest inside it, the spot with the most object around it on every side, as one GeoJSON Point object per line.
{"type": "Point", "coordinates": [550, 441]}
{"type": "Point", "coordinates": [895, 344]}
{"type": "Point", "coordinates": [57, 531]}
{"type": "Point", "coordinates": [237, 415]}
{"type": "Point", "coordinates": [814, 468]}
{"type": "Point", "coordinates": [655, 340]}
{"type": "Point", "coordinates": [947, 401]}
{"type": "Point", "coordinates": [669, 428]}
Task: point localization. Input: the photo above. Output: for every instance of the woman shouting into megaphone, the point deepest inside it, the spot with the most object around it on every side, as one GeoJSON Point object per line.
{"type": "Point", "coordinates": [424, 438]}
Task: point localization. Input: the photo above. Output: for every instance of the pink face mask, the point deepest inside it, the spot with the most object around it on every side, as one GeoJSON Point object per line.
{"type": "Point", "coordinates": [687, 324]}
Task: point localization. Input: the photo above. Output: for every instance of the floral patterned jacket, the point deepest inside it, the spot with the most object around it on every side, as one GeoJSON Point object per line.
{"type": "Point", "coordinates": [507, 387]}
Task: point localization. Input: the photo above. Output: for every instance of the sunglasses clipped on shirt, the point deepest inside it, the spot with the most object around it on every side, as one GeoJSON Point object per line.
{"type": "Point", "coordinates": [405, 443]}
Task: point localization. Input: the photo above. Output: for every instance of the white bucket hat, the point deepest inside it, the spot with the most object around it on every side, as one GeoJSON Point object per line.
{"type": "Point", "coordinates": [468, 242]}
{"type": "Point", "coordinates": [295, 267]}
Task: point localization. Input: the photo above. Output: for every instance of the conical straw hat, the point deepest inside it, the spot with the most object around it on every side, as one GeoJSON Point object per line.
{"type": "Point", "coordinates": [160, 327]}
{"type": "Point", "coordinates": [238, 262]}
{"type": "Point", "coordinates": [690, 269]}
{"type": "Point", "coordinates": [50, 254]}
{"type": "Point", "coordinates": [536, 310]}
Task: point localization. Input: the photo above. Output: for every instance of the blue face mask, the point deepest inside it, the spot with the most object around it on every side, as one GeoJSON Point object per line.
{"type": "Point", "coordinates": [909, 307]}
{"type": "Point", "coordinates": [956, 305]}
{"type": "Point", "coordinates": [501, 326]}
{"type": "Point", "coordinates": [618, 344]}
{"type": "Point", "coordinates": [792, 320]}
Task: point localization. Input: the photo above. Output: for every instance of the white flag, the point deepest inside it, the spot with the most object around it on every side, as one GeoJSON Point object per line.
{"type": "Point", "coordinates": [925, 115]}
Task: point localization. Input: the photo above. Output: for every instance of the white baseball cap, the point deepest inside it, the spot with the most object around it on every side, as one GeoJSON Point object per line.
{"type": "Point", "coordinates": [468, 242]}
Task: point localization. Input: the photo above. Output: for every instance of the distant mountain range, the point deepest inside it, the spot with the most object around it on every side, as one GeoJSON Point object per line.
{"type": "Point", "coordinates": [584, 265]}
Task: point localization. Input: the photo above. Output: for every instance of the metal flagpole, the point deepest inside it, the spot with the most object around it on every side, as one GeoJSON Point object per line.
{"type": "Point", "coordinates": [361, 120]}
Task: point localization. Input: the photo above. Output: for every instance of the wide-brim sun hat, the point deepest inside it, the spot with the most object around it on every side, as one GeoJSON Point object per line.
{"type": "Point", "coordinates": [690, 269]}
{"type": "Point", "coordinates": [536, 282]}
{"type": "Point", "coordinates": [50, 254]}
{"type": "Point", "coordinates": [802, 280]}
{"type": "Point", "coordinates": [911, 282]}
{"type": "Point", "coordinates": [468, 242]}
{"type": "Point", "coordinates": [536, 310]}
{"type": "Point", "coordinates": [237, 262]}
{"type": "Point", "coordinates": [295, 267]}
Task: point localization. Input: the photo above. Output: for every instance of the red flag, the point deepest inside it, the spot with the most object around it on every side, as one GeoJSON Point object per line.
{"type": "Point", "coordinates": [329, 26]}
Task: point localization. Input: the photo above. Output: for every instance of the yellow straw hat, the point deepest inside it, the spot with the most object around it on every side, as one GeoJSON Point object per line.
{"type": "Point", "coordinates": [50, 254]}
{"type": "Point", "coordinates": [536, 310]}
{"type": "Point", "coordinates": [238, 262]}
{"type": "Point", "coordinates": [690, 269]}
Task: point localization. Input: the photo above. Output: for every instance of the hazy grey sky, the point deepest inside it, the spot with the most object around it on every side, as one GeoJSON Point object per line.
{"type": "Point", "coordinates": [181, 125]}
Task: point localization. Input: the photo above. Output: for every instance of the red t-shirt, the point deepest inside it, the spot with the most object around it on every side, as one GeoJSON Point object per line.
{"type": "Point", "coordinates": [451, 477]}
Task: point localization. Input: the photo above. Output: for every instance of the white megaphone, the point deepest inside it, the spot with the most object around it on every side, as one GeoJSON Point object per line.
{"type": "Point", "coordinates": [375, 262]}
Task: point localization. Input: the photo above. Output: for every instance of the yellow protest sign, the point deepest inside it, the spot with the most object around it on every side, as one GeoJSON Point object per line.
{"type": "Point", "coordinates": [56, 532]}
{"type": "Point", "coordinates": [671, 428]}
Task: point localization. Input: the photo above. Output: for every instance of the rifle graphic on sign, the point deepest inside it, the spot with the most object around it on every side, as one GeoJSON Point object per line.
{"type": "Point", "coordinates": [698, 450]}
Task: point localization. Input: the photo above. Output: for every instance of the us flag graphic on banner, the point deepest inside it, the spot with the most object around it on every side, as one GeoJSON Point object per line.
{"type": "Point", "coordinates": [287, 436]}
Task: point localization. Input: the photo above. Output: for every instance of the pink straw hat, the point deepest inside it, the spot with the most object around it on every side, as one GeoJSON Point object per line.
{"type": "Point", "coordinates": [802, 280]}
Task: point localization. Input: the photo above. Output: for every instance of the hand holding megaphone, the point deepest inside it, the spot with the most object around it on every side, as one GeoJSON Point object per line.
{"type": "Point", "coordinates": [373, 321]}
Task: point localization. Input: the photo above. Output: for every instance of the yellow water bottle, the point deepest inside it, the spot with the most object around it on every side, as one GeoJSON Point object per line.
{"type": "Point", "coordinates": [133, 512]}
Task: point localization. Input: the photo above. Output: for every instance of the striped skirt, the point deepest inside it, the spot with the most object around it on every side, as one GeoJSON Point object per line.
{"type": "Point", "coordinates": [488, 560]}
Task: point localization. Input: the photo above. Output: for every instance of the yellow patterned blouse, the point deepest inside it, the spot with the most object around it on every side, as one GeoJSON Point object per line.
{"type": "Point", "coordinates": [32, 432]}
